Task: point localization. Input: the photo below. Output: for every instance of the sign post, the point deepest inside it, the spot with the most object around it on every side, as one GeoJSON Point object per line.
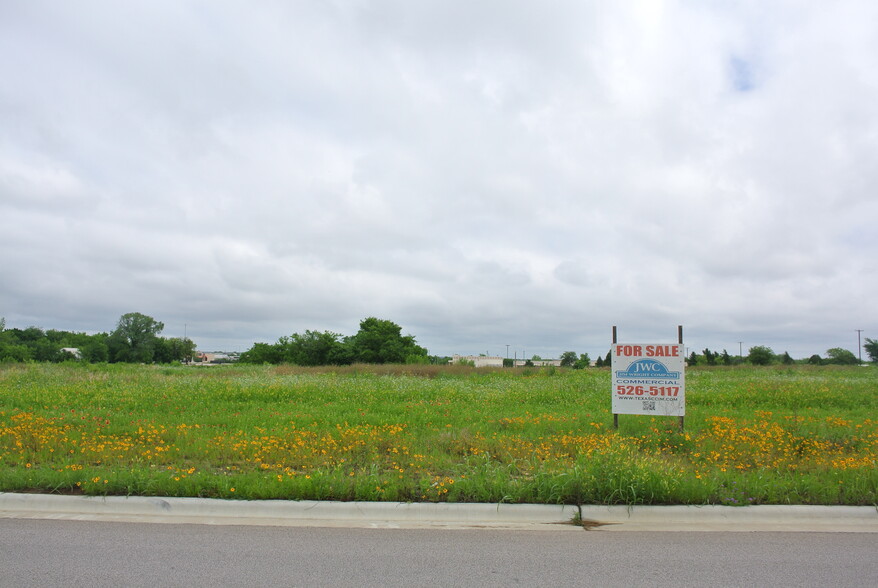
{"type": "Point", "coordinates": [649, 379]}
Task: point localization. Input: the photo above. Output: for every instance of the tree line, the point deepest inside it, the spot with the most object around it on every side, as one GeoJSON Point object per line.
{"type": "Point", "coordinates": [377, 341]}
{"type": "Point", "coordinates": [757, 355]}
{"type": "Point", "coordinates": [762, 355]}
{"type": "Point", "coordinates": [134, 340]}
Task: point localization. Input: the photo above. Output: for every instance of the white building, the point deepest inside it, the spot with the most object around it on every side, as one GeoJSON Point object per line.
{"type": "Point", "coordinates": [479, 360]}
{"type": "Point", "coordinates": [496, 361]}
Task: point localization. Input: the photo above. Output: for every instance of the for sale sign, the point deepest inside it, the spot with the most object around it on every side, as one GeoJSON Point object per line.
{"type": "Point", "coordinates": [649, 379]}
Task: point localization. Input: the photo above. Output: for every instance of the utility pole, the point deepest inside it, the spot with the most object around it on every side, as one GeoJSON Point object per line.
{"type": "Point", "coordinates": [859, 345]}
{"type": "Point", "coordinates": [507, 351]}
{"type": "Point", "coordinates": [740, 349]}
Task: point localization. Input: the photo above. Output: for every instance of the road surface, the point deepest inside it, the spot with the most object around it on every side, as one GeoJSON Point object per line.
{"type": "Point", "coordinates": [87, 553]}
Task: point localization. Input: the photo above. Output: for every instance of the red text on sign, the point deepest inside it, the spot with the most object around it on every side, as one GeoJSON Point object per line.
{"type": "Point", "coordinates": [650, 390]}
{"type": "Point", "coordinates": [647, 351]}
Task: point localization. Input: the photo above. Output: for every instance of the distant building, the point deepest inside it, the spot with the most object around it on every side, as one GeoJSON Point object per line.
{"type": "Point", "coordinates": [215, 357]}
{"type": "Point", "coordinates": [538, 362]}
{"type": "Point", "coordinates": [479, 360]}
{"type": "Point", "coordinates": [74, 351]}
{"type": "Point", "coordinates": [495, 361]}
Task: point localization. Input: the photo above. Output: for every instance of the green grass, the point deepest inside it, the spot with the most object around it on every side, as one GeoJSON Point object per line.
{"type": "Point", "coordinates": [802, 435]}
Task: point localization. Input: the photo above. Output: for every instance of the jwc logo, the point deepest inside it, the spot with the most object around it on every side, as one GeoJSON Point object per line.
{"type": "Point", "coordinates": [647, 368]}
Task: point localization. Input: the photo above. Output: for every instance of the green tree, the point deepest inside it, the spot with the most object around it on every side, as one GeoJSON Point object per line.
{"type": "Point", "coordinates": [14, 352]}
{"type": "Point", "coordinates": [46, 350]}
{"type": "Point", "coordinates": [786, 359]}
{"type": "Point", "coordinates": [840, 356]}
{"type": "Point", "coordinates": [726, 358]}
{"type": "Point", "coordinates": [262, 353]}
{"type": "Point", "coordinates": [583, 362]}
{"type": "Point", "coordinates": [30, 335]}
{"type": "Point", "coordinates": [871, 348]}
{"type": "Point", "coordinates": [417, 359]}
{"type": "Point", "coordinates": [173, 349]}
{"type": "Point", "coordinates": [760, 355]}
{"type": "Point", "coordinates": [313, 348]}
{"type": "Point", "coordinates": [568, 359]}
{"type": "Point", "coordinates": [381, 341]}
{"type": "Point", "coordinates": [815, 360]}
{"type": "Point", "coordinates": [56, 336]}
{"type": "Point", "coordinates": [134, 339]}
{"type": "Point", "coordinates": [187, 349]}
{"type": "Point", "coordinates": [28, 344]}
{"type": "Point", "coordinates": [95, 350]}
{"type": "Point", "coordinates": [693, 359]}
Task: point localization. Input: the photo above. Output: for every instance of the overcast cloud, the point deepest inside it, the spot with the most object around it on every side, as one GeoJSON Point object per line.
{"type": "Point", "coordinates": [482, 173]}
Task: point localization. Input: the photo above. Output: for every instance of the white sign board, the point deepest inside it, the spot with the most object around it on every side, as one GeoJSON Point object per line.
{"type": "Point", "coordinates": [649, 379]}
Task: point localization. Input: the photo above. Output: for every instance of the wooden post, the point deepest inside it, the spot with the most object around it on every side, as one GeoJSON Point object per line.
{"type": "Point", "coordinates": [680, 341]}
{"type": "Point", "coordinates": [615, 416]}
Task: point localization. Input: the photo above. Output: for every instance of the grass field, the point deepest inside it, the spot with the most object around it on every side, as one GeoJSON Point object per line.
{"type": "Point", "coordinates": [773, 435]}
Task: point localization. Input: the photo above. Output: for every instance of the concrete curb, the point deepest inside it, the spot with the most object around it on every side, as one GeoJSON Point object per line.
{"type": "Point", "coordinates": [285, 513]}
{"type": "Point", "coordinates": [797, 518]}
{"type": "Point", "coordinates": [851, 519]}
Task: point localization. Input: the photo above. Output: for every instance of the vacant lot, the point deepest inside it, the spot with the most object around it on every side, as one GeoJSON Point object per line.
{"type": "Point", "coordinates": [802, 435]}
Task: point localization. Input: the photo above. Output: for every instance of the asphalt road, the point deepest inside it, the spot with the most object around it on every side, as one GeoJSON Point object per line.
{"type": "Point", "coordinates": [83, 553]}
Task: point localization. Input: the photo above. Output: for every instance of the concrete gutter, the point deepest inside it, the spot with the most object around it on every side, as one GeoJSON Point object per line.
{"type": "Point", "coordinates": [390, 515]}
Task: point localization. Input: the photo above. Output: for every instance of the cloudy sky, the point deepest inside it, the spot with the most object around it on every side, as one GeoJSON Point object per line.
{"type": "Point", "coordinates": [482, 173]}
